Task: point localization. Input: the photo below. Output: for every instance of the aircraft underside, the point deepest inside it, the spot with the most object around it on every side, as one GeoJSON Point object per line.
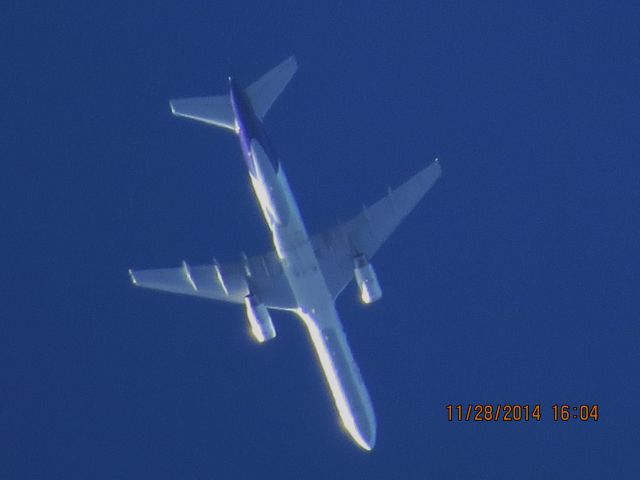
{"type": "Point", "coordinates": [303, 274]}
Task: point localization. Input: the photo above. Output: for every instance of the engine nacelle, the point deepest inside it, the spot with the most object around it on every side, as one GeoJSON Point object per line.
{"type": "Point", "coordinates": [367, 280]}
{"type": "Point", "coordinates": [260, 321]}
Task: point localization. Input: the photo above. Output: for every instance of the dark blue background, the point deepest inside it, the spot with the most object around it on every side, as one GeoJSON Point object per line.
{"type": "Point", "coordinates": [516, 280]}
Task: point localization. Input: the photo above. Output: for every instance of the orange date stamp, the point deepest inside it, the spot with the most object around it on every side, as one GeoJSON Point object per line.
{"type": "Point", "coordinates": [520, 412]}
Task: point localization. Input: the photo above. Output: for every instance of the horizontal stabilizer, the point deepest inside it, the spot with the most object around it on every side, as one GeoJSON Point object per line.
{"type": "Point", "coordinates": [214, 110]}
{"type": "Point", "coordinates": [264, 91]}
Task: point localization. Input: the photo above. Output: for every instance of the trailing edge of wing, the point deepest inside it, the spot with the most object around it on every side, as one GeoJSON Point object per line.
{"type": "Point", "coordinates": [366, 232]}
{"type": "Point", "coordinates": [227, 283]}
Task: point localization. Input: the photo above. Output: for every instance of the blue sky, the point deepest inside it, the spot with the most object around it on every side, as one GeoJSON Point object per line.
{"type": "Point", "coordinates": [515, 281]}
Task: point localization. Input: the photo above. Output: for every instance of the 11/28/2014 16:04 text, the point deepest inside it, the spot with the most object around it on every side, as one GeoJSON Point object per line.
{"type": "Point", "coordinates": [515, 412]}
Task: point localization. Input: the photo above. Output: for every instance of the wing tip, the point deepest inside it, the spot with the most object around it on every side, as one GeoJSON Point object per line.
{"type": "Point", "coordinates": [292, 61]}
{"type": "Point", "coordinates": [437, 165]}
{"type": "Point", "coordinates": [133, 278]}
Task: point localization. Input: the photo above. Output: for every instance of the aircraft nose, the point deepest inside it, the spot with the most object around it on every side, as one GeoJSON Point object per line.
{"type": "Point", "coordinates": [364, 433]}
{"type": "Point", "coordinates": [369, 437]}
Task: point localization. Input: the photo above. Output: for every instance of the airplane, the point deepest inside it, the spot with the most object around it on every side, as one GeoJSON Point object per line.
{"type": "Point", "coordinates": [303, 274]}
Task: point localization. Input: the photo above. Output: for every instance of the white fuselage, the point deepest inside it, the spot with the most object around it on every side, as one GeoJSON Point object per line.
{"type": "Point", "coordinates": [316, 305]}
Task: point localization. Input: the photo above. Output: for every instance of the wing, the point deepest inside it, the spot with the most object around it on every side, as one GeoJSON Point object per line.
{"type": "Point", "coordinates": [228, 283]}
{"type": "Point", "coordinates": [366, 232]}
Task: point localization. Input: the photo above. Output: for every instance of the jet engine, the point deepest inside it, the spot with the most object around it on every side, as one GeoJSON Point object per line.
{"type": "Point", "coordinates": [260, 321]}
{"type": "Point", "coordinates": [367, 280]}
